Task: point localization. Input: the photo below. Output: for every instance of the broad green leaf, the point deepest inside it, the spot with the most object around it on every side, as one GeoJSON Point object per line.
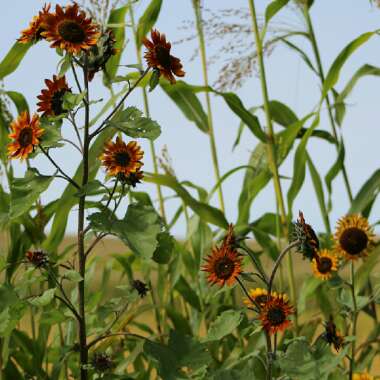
{"type": "Point", "coordinates": [273, 8]}
{"type": "Point", "coordinates": [12, 60]}
{"type": "Point", "coordinates": [184, 97]}
{"type": "Point", "coordinates": [117, 17]}
{"type": "Point", "coordinates": [206, 212]}
{"type": "Point", "coordinates": [334, 71]}
{"type": "Point", "coordinates": [281, 113]}
{"type": "Point", "coordinates": [225, 324]}
{"type": "Point", "coordinates": [51, 137]}
{"type": "Point", "coordinates": [132, 122]}
{"type": "Point", "coordinates": [19, 100]}
{"type": "Point", "coordinates": [165, 247]}
{"type": "Point", "coordinates": [25, 192]}
{"type": "Point", "coordinates": [188, 293]}
{"type": "Point", "coordinates": [70, 100]}
{"type": "Point", "coordinates": [299, 167]}
{"type": "Point", "coordinates": [309, 286]}
{"type": "Point", "coordinates": [366, 194]}
{"type": "Point", "coordinates": [147, 21]}
{"type": "Point", "coordinates": [72, 275]}
{"type": "Point", "coordinates": [44, 299]}
{"type": "Point", "coordinates": [362, 274]}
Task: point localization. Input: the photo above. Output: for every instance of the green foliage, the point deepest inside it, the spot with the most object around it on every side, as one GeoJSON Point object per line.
{"type": "Point", "coordinates": [13, 58]}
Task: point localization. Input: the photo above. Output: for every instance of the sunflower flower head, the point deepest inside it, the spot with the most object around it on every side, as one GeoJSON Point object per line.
{"type": "Point", "coordinates": [257, 296]}
{"type": "Point", "coordinates": [362, 376]}
{"type": "Point", "coordinates": [37, 258]}
{"type": "Point", "coordinates": [158, 57]}
{"type": "Point", "coordinates": [69, 29]}
{"type": "Point", "coordinates": [274, 313]}
{"type": "Point", "coordinates": [25, 134]}
{"type": "Point", "coordinates": [37, 26]}
{"type": "Point", "coordinates": [325, 264]}
{"type": "Point", "coordinates": [353, 237]}
{"type": "Point", "coordinates": [51, 98]}
{"type": "Point", "coordinates": [121, 159]}
{"type": "Point", "coordinates": [102, 362]}
{"type": "Point", "coordinates": [224, 263]}
{"type": "Point", "coordinates": [331, 335]}
{"type": "Point", "coordinates": [308, 239]}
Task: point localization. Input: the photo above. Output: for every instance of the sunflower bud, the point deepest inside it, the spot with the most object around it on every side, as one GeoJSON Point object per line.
{"type": "Point", "coordinates": [37, 258]}
{"type": "Point", "coordinates": [102, 362]}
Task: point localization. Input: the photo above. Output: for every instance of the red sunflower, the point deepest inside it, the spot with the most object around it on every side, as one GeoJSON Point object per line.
{"type": "Point", "coordinates": [158, 57]}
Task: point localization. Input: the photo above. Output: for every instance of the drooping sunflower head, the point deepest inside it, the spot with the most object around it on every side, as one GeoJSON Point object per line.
{"type": "Point", "coordinates": [132, 179]}
{"type": "Point", "coordinates": [274, 313]}
{"type": "Point", "coordinates": [70, 29]}
{"type": "Point", "coordinates": [158, 57]}
{"type": "Point", "coordinates": [120, 158]}
{"type": "Point", "coordinates": [362, 376]}
{"type": "Point", "coordinates": [324, 264]}
{"type": "Point", "coordinates": [223, 265]}
{"type": "Point", "coordinates": [332, 336]}
{"type": "Point", "coordinates": [308, 239]}
{"type": "Point", "coordinates": [353, 237]}
{"type": "Point", "coordinates": [37, 26]}
{"type": "Point", "coordinates": [25, 134]}
{"type": "Point", "coordinates": [51, 98]}
{"type": "Point", "coordinates": [259, 297]}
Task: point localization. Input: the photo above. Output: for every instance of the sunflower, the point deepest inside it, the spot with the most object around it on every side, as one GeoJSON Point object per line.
{"type": "Point", "coordinates": [122, 159]}
{"type": "Point", "coordinates": [324, 264]}
{"type": "Point", "coordinates": [223, 264]}
{"type": "Point", "coordinates": [332, 335]}
{"type": "Point", "coordinates": [258, 295]}
{"type": "Point", "coordinates": [38, 25]}
{"type": "Point", "coordinates": [70, 29]}
{"type": "Point", "coordinates": [158, 57]}
{"type": "Point", "coordinates": [362, 376]}
{"type": "Point", "coordinates": [132, 179]}
{"type": "Point", "coordinates": [38, 258]}
{"type": "Point", "coordinates": [25, 135]}
{"type": "Point", "coordinates": [353, 237]}
{"type": "Point", "coordinates": [51, 99]}
{"type": "Point", "coordinates": [274, 313]}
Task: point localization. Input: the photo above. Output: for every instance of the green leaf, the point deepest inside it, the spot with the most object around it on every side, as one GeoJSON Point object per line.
{"type": "Point", "coordinates": [70, 100]}
{"type": "Point", "coordinates": [225, 324]}
{"type": "Point", "coordinates": [12, 60]}
{"type": "Point", "coordinates": [117, 17]}
{"type": "Point", "coordinates": [154, 80]}
{"type": "Point", "coordinates": [72, 275]}
{"type": "Point", "coordinates": [309, 286]}
{"type": "Point", "coordinates": [51, 137]}
{"type": "Point", "coordinates": [273, 8]}
{"type": "Point", "coordinates": [184, 97]}
{"type": "Point", "coordinates": [147, 21]}
{"type": "Point", "coordinates": [187, 292]}
{"type": "Point", "coordinates": [206, 212]}
{"type": "Point", "coordinates": [366, 194]}
{"type": "Point", "coordinates": [44, 299]}
{"type": "Point", "coordinates": [164, 249]}
{"type": "Point", "coordinates": [334, 71]}
{"type": "Point", "coordinates": [25, 192]}
{"type": "Point", "coordinates": [19, 101]}
{"type": "Point", "coordinates": [362, 274]}
{"type": "Point", "coordinates": [132, 122]}
{"type": "Point", "coordinates": [281, 113]}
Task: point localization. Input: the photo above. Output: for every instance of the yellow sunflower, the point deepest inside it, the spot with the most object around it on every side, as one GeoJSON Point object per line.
{"type": "Point", "coordinates": [324, 264]}
{"type": "Point", "coordinates": [51, 99]}
{"type": "Point", "coordinates": [353, 237]}
{"type": "Point", "coordinates": [25, 134]}
{"type": "Point", "coordinates": [70, 29]}
{"type": "Point", "coordinates": [274, 313]}
{"type": "Point", "coordinates": [223, 265]}
{"type": "Point", "coordinates": [122, 159]}
{"type": "Point", "coordinates": [158, 57]}
{"type": "Point", "coordinates": [38, 25]}
{"type": "Point", "coordinates": [259, 295]}
{"type": "Point", "coordinates": [362, 376]}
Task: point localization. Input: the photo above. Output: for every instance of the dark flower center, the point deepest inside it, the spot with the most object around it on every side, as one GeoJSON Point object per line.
{"type": "Point", "coordinates": [163, 56]}
{"type": "Point", "coordinates": [224, 268]}
{"type": "Point", "coordinates": [26, 137]}
{"type": "Point", "coordinates": [276, 316]}
{"type": "Point", "coordinates": [324, 265]}
{"type": "Point", "coordinates": [57, 102]}
{"type": "Point", "coordinates": [261, 299]}
{"type": "Point", "coordinates": [353, 240]}
{"type": "Point", "coordinates": [122, 158]}
{"type": "Point", "coordinates": [71, 31]}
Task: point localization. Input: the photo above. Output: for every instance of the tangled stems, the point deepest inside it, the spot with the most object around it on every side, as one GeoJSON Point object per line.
{"type": "Point", "coordinates": [271, 149]}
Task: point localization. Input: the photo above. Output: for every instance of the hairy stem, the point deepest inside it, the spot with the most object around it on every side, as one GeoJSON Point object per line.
{"type": "Point", "coordinates": [271, 151]}
{"type": "Point", "coordinates": [202, 48]}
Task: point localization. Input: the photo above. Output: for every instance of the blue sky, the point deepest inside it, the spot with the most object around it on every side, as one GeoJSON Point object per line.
{"type": "Point", "coordinates": [289, 81]}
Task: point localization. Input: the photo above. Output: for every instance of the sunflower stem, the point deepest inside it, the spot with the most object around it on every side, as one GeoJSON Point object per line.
{"type": "Point", "coordinates": [354, 321]}
{"type": "Point", "coordinates": [271, 151]}
{"type": "Point", "coordinates": [202, 48]}
{"type": "Point", "coordinates": [147, 113]}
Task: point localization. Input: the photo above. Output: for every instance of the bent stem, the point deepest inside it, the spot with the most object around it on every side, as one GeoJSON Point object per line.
{"type": "Point", "coordinates": [202, 48]}
{"type": "Point", "coordinates": [147, 113]}
{"type": "Point", "coordinates": [354, 321]}
{"type": "Point", "coordinates": [271, 149]}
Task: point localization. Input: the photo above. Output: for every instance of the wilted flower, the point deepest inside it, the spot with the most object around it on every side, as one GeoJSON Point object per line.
{"type": "Point", "coordinates": [131, 179]}
{"type": "Point", "coordinates": [140, 287]}
{"type": "Point", "coordinates": [102, 362]}
{"type": "Point", "coordinates": [37, 258]}
{"type": "Point", "coordinates": [332, 335]}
